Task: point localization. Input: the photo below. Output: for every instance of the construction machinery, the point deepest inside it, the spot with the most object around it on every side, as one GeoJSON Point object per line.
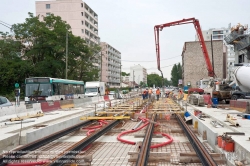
{"type": "Point", "coordinates": [219, 90]}
{"type": "Point", "coordinates": [197, 27]}
{"type": "Point", "coordinates": [241, 80]}
{"type": "Point", "coordinates": [241, 42]}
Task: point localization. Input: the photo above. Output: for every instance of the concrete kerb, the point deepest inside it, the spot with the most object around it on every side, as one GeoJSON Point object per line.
{"type": "Point", "coordinates": [55, 127]}
{"type": "Point", "coordinates": [22, 111]}
{"type": "Point", "coordinates": [64, 104]}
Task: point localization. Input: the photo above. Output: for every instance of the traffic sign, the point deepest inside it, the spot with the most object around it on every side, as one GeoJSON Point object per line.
{"type": "Point", "coordinates": [16, 85]}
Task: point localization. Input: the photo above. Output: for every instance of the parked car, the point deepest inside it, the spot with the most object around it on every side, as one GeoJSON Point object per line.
{"type": "Point", "coordinates": [4, 102]}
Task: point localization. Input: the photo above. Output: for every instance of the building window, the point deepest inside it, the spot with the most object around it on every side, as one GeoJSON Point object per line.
{"type": "Point", "coordinates": [241, 58]}
{"type": "Point", "coordinates": [47, 14]}
{"type": "Point", "coordinates": [82, 30]}
{"type": "Point", "coordinates": [82, 22]}
{"type": "Point", "coordinates": [47, 6]}
{"type": "Point", "coordinates": [82, 13]}
{"type": "Point", "coordinates": [81, 4]}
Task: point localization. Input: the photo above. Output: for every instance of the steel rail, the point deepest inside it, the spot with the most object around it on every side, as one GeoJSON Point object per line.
{"type": "Point", "coordinates": [13, 155]}
{"type": "Point", "coordinates": [200, 150]}
{"type": "Point", "coordinates": [69, 155]}
{"type": "Point", "coordinates": [145, 147]}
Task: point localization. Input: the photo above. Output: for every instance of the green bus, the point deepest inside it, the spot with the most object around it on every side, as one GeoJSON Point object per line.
{"type": "Point", "coordinates": [42, 89]}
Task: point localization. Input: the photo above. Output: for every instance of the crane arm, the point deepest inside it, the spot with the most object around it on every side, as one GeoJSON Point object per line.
{"type": "Point", "coordinates": [196, 23]}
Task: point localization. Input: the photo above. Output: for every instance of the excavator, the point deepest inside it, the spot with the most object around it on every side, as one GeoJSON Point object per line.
{"type": "Point", "coordinates": [221, 95]}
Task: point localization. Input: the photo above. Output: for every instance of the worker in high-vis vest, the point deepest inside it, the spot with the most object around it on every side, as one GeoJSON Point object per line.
{"type": "Point", "coordinates": [150, 91]}
{"type": "Point", "coordinates": [158, 92]}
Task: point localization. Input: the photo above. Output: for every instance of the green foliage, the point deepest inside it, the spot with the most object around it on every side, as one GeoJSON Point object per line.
{"type": "Point", "coordinates": [38, 48]}
{"type": "Point", "coordinates": [154, 79]}
{"type": "Point", "coordinates": [125, 74]}
{"type": "Point", "coordinates": [11, 72]}
{"type": "Point", "coordinates": [176, 74]}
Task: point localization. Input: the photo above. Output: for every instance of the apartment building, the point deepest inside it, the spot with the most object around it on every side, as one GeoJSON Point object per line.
{"type": "Point", "coordinates": [220, 34]}
{"type": "Point", "coordinates": [110, 65]}
{"type": "Point", "coordinates": [138, 74]}
{"type": "Point", "coordinates": [82, 19]}
{"type": "Point", "coordinates": [193, 62]}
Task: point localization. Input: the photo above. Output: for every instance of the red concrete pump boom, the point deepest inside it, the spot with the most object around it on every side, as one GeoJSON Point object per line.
{"type": "Point", "coordinates": [201, 40]}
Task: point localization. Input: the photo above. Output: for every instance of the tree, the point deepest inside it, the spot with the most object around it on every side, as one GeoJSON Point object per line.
{"type": "Point", "coordinates": [125, 74]}
{"type": "Point", "coordinates": [11, 72]}
{"type": "Point", "coordinates": [154, 79]}
{"type": "Point", "coordinates": [142, 84]}
{"type": "Point", "coordinates": [9, 48]}
{"type": "Point", "coordinates": [38, 48]}
{"type": "Point", "coordinates": [176, 74]}
{"type": "Point", "coordinates": [46, 49]}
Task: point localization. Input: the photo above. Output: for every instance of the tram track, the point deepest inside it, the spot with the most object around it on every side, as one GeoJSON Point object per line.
{"type": "Point", "coordinates": [16, 153]}
{"type": "Point", "coordinates": [121, 154]}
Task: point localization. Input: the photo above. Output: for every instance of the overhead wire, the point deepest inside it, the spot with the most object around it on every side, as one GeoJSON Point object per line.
{"type": "Point", "coordinates": [151, 60]}
{"type": "Point", "coordinates": [156, 68]}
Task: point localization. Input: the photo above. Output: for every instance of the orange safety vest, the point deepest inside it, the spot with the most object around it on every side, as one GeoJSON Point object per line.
{"type": "Point", "coordinates": [158, 91]}
{"type": "Point", "coordinates": [150, 91]}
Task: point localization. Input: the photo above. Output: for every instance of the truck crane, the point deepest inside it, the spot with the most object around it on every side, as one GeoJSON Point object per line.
{"type": "Point", "coordinates": [197, 27]}
{"type": "Point", "coordinates": [210, 83]}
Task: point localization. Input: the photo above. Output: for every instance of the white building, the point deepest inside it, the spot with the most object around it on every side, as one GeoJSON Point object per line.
{"type": "Point", "coordinates": [219, 34]}
{"type": "Point", "coordinates": [125, 78]}
{"type": "Point", "coordinates": [138, 74]}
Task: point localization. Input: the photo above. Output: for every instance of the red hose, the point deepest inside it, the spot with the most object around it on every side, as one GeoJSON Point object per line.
{"type": "Point", "coordinates": [94, 127]}
{"type": "Point", "coordinates": [90, 131]}
{"type": "Point", "coordinates": [130, 131]}
{"type": "Point", "coordinates": [164, 143]}
{"type": "Point", "coordinates": [28, 164]}
{"type": "Point", "coordinates": [103, 121]}
{"type": "Point", "coordinates": [139, 128]}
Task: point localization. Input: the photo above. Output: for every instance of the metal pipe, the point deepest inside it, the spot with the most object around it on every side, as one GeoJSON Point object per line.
{"type": "Point", "coordinates": [137, 125]}
{"type": "Point", "coordinates": [233, 121]}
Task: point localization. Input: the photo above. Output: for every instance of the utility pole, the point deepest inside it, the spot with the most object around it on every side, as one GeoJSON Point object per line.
{"type": "Point", "coordinates": [66, 72]}
{"type": "Point", "coordinates": [101, 68]}
{"type": "Point", "coordinates": [133, 79]}
{"type": "Point", "coordinates": [121, 76]}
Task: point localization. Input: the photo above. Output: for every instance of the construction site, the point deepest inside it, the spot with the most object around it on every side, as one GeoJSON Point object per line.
{"type": "Point", "coordinates": [208, 125]}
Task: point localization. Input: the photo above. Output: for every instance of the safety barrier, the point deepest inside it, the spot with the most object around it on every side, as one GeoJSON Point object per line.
{"type": "Point", "coordinates": [50, 106]}
{"type": "Point", "coordinates": [23, 110]}
{"type": "Point", "coordinates": [67, 104]}
{"type": "Point", "coordinates": [207, 99]}
{"type": "Point", "coordinates": [106, 97]}
{"type": "Point", "coordinates": [240, 105]}
{"type": "Point", "coordinates": [82, 102]}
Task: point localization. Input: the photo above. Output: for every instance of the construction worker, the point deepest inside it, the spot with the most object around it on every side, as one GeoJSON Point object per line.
{"type": "Point", "coordinates": [150, 91]}
{"type": "Point", "coordinates": [158, 92]}
{"type": "Point", "coordinates": [146, 95]}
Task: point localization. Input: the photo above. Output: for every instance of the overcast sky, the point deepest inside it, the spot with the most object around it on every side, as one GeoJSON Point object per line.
{"type": "Point", "coordinates": [127, 25]}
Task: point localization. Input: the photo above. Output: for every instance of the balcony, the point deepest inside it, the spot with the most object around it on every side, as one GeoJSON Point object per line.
{"type": "Point", "coordinates": [243, 43]}
{"type": "Point", "coordinates": [233, 37]}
